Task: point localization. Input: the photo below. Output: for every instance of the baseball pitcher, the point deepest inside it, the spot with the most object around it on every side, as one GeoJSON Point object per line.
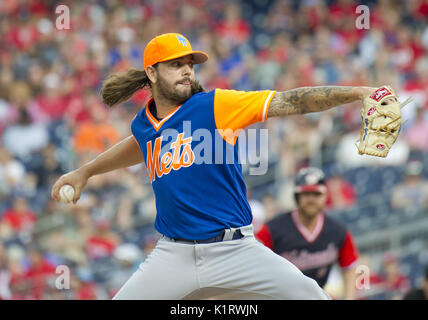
{"type": "Point", "coordinates": [208, 247]}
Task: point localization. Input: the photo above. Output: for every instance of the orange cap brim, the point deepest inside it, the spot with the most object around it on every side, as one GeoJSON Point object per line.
{"type": "Point", "coordinates": [198, 56]}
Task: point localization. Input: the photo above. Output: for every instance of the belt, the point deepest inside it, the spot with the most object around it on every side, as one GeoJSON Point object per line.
{"type": "Point", "coordinates": [228, 234]}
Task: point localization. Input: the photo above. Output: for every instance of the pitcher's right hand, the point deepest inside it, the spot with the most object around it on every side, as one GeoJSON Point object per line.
{"type": "Point", "coordinates": [77, 179]}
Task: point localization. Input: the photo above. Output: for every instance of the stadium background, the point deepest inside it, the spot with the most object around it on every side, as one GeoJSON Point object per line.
{"type": "Point", "coordinates": [52, 120]}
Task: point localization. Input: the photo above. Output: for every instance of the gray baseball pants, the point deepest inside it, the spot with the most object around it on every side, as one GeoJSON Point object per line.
{"type": "Point", "coordinates": [231, 269]}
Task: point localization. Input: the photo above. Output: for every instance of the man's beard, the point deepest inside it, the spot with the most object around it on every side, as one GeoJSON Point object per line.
{"type": "Point", "coordinates": [309, 213]}
{"type": "Point", "coordinates": [178, 97]}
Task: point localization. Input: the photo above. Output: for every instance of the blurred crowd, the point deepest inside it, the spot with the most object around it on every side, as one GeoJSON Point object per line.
{"type": "Point", "coordinates": [52, 119]}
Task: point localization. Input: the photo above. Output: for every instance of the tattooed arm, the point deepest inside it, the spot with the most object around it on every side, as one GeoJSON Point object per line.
{"type": "Point", "coordinates": [314, 99]}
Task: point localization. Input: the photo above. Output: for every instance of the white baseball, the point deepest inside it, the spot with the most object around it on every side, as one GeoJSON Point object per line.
{"type": "Point", "coordinates": [66, 193]}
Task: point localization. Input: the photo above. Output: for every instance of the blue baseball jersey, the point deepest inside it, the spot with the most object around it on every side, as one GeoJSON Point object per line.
{"type": "Point", "coordinates": [192, 159]}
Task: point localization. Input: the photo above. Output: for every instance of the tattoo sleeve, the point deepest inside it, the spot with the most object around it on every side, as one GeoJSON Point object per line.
{"type": "Point", "coordinates": [310, 99]}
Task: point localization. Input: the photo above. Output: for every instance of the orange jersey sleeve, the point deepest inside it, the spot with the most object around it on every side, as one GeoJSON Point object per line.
{"type": "Point", "coordinates": [236, 110]}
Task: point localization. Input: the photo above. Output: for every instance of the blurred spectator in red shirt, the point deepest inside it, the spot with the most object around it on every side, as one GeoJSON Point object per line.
{"type": "Point", "coordinates": [406, 52]}
{"type": "Point", "coordinates": [84, 290]}
{"type": "Point", "coordinates": [20, 217]}
{"type": "Point", "coordinates": [340, 193]}
{"type": "Point", "coordinates": [16, 8]}
{"type": "Point", "coordinates": [312, 14]}
{"type": "Point", "coordinates": [233, 28]}
{"type": "Point", "coordinates": [392, 279]}
{"type": "Point", "coordinates": [53, 103]}
{"type": "Point", "coordinates": [389, 283]}
{"type": "Point", "coordinates": [24, 35]}
{"type": "Point", "coordinates": [103, 242]}
{"type": "Point", "coordinates": [78, 110]}
{"type": "Point", "coordinates": [18, 283]}
{"type": "Point", "coordinates": [342, 9]}
{"type": "Point", "coordinates": [39, 272]}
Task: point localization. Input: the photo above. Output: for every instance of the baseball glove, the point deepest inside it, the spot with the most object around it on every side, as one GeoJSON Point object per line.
{"type": "Point", "coordinates": [381, 116]}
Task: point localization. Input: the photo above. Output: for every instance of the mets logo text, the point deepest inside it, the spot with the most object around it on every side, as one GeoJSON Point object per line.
{"type": "Point", "coordinates": [182, 40]}
{"type": "Point", "coordinates": [180, 155]}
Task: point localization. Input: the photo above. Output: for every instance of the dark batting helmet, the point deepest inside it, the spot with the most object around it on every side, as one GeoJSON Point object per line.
{"type": "Point", "coordinates": [309, 179]}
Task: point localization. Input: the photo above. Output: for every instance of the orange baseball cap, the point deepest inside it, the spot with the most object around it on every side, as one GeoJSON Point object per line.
{"type": "Point", "coordinates": [169, 46]}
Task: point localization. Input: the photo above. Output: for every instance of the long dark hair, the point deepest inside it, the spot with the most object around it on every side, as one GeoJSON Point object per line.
{"type": "Point", "coordinates": [120, 87]}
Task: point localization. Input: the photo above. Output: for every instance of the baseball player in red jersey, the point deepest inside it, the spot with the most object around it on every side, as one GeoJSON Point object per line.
{"type": "Point", "coordinates": [309, 238]}
{"type": "Point", "coordinates": [208, 246]}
